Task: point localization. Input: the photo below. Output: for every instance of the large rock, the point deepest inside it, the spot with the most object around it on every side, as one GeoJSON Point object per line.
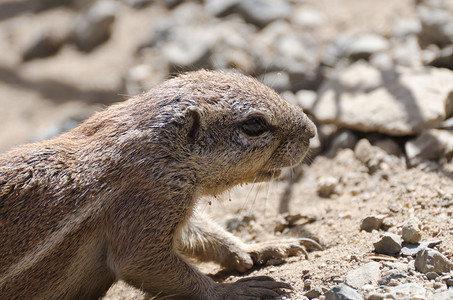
{"type": "Point", "coordinates": [431, 144]}
{"type": "Point", "coordinates": [437, 26]}
{"type": "Point", "coordinates": [257, 12]}
{"type": "Point", "coordinates": [94, 27]}
{"type": "Point", "coordinates": [394, 102]}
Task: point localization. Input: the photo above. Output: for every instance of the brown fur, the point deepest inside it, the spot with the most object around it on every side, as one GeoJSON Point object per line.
{"type": "Point", "coordinates": [111, 199]}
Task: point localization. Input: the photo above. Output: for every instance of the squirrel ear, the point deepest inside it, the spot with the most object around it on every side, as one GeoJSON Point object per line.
{"type": "Point", "coordinates": [193, 123]}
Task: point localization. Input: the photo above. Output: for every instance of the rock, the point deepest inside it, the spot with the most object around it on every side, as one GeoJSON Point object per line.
{"type": "Point", "coordinates": [305, 99]}
{"type": "Point", "coordinates": [371, 156]}
{"type": "Point", "coordinates": [390, 275]}
{"type": "Point", "coordinates": [375, 296]}
{"type": "Point", "coordinates": [355, 47]}
{"type": "Point", "coordinates": [408, 53]}
{"type": "Point", "coordinates": [327, 186]}
{"type": "Point", "coordinates": [449, 282]}
{"type": "Point", "coordinates": [239, 221]}
{"type": "Point", "coordinates": [46, 4]}
{"type": "Point", "coordinates": [63, 125]}
{"type": "Point", "coordinates": [94, 27]}
{"type": "Point", "coordinates": [431, 275]}
{"type": "Point", "coordinates": [263, 12]}
{"type": "Point", "coordinates": [220, 8]}
{"type": "Point", "coordinates": [408, 291]}
{"type": "Point", "coordinates": [445, 295]}
{"type": "Point", "coordinates": [138, 3]}
{"type": "Point", "coordinates": [363, 46]}
{"type": "Point", "coordinates": [448, 124]}
{"type": "Point", "coordinates": [444, 59]}
{"type": "Point", "coordinates": [431, 144]}
{"type": "Point", "coordinates": [278, 47]}
{"type": "Point", "coordinates": [42, 45]}
{"type": "Point", "coordinates": [389, 146]}
{"type": "Point", "coordinates": [279, 81]}
{"type": "Point", "coordinates": [413, 249]}
{"type": "Point", "coordinates": [430, 260]}
{"type": "Point", "coordinates": [188, 48]}
{"type": "Point", "coordinates": [346, 139]}
{"type": "Point", "coordinates": [308, 17]}
{"type": "Point", "coordinates": [389, 244]}
{"type": "Point", "coordinates": [393, 102]}
{"type": "Point", "coordinates": [313, 293]}
{"type": "Point", "coordinates": [342, 292]}
{"type": "Point", "coordinates": [437, 26]}
{"type": "Point", "coordinates": [171, 3]}
{"type": "Point", "coordinates": [369, 273]}
{"type": "Point", "coordinates": [411, 231]}
{"type": "Point", "coordinates": [406, 27]}
{"type": "Point", "coordinates": [371, 223]}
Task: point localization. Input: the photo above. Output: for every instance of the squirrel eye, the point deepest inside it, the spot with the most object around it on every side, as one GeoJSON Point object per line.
{"type": "Point", "coordinates": [255, 126]}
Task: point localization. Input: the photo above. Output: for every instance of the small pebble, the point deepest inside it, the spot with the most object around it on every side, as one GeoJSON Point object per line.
{"type": "Point", "coordinates": [327, 186]}
{"type": "Point", "coordinates": [389, 244]}
{"type": "Point", "coordinates": [371, 223]}
{"type": "Point", "coordinates": [343, 292]}
{"type": "Point", "coordinates": [431, 275]}
{"type": "Point", "coordinates": [411, 231]}
{"type": "Point", "coordinates": [313, 293]}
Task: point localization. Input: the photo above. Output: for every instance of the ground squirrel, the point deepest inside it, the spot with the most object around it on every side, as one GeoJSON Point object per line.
{"type": "Point", "coordinates": [113, 199]}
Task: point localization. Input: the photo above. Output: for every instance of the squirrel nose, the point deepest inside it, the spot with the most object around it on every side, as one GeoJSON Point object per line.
{"type": "Point", "coordinates": [310, 127]}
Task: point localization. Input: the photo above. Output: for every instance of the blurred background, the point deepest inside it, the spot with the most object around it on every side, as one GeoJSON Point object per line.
{"type": "Point", "coordinates": [356, 66]}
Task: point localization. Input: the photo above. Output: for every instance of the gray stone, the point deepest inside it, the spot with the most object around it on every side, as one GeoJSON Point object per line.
{"type": "Point", "coordinates": [430, 260]}
{"type": "Point", "coordinates": [305, 99]}
{"type": "Point", "coordinates": [444, 59]}
{"type": "Point", "coordinates": [327, 186]}
{"type": "Point", "coordinates": [394, 102]}
{"type": "Point", "coordinates": [342, 292]}
{"type": "Point", "coordinates": [431, 275]}
{"type": "Point", "coordinates": [406, 27]}
{"type": "Point", "coordinates": [408, 291]}
{"type": "Point", "coordinates": [44, 44]}
{"type": "Point", "coordinates": [344, 139]}
{"type": "Point", "coordinates": [239, 221]}
{"type": "Point", "coordinates": [138, 3]}
{"type": "Point", "coordinates": [363, 46]}
{"type": "Point", "coordinates": [308, 17]}
{"type": "Point", "coordinates": [369, 273]}
{"type": "Point", "coordinates": [94, 27]}
{"type": "Point", "coordinates": [371, 223]}
{"type": "Point", "coordinates": [389, 244]}
{"type": "Point", "coordinates": [220, 8]}
{"type": "Point", "coordinates": [437, 26]}
{"type": "Point", "coordinates": [263, 12]}
{"type": "Point", "coordinates": [356, 46]}
{"type": "Point", "coordinates": [313, 293]}
{"type": "Point", "coordinates": [431, 144]}
{"type": "Point", "coordinates": [371, 156]}
{"type": "Point", "coordinates": [445, 295]}
{"type": "Point", "coordinates": [279, 81]}
{"type": "Point", "coordinates": [188, 48]}
{"type": "Point", "coordinates": [411, 231]}
{"type": "Point", "coordinates": [413, 249]}
{"type": "Point", "coordinates": [392, 274]}
{"type": "Point", "coordinates": [449, 282]}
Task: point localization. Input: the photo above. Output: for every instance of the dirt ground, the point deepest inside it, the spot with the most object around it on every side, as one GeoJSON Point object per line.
{"type": "Point", "coordinates": [38, 96]}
